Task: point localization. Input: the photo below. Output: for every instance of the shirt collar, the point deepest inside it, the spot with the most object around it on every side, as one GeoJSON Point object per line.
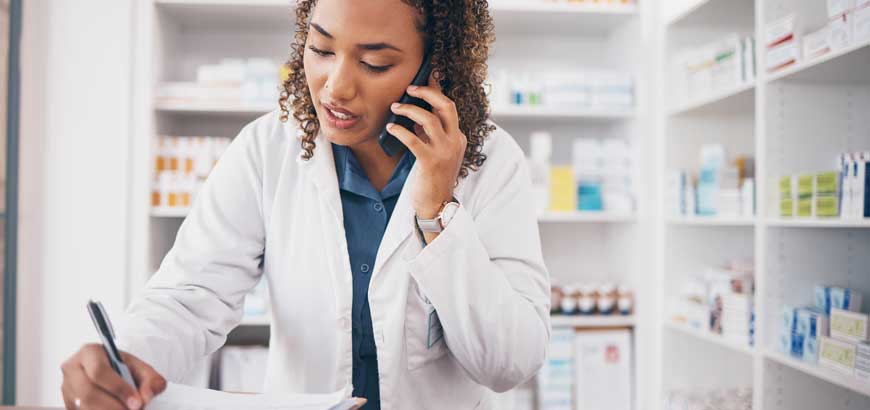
{"type": "Point", "coordinates": [352, 178]}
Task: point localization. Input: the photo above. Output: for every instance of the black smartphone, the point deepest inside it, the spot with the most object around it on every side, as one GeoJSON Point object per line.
{"type": "Point", "coordinates": [390, 144]}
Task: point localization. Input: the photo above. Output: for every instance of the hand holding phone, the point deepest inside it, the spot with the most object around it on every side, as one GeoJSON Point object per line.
{"type": "Point", "coordinates": [390, 144]}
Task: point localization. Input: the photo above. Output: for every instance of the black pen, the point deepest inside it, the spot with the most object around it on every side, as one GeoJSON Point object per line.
{"type": "Point", "coordinates": [107, 336]}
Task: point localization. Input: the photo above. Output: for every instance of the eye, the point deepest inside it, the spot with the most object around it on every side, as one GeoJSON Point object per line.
{"type": "Point", "coordinates": [319, 51]}
{"type": "Point", "coordinates": [376, 68]}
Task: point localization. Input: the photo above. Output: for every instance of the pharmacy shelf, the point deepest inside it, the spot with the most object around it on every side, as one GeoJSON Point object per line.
{"type": "Point", "coordinates": [818, 223]}
{"type": "Point", "coordinates": [525, 112]}
{"type": "Point", "coordinates": [586, 217]}
{"type": "Point", "coordinates": [515, 16]}
{"type": "Point", "coordinates": [214, 109]}
{"type": "Point", "coordinates": [262, 320]}
{"type": "Point", "coordinates": [712, 221]}
{"type": "Point", "coordinates": [509, 16]}
{"type": "Point", "coordinates": [738, 99]}
{"type": "Point", "coordinates": [169, 213]}
{"type": "Point", "coordinates": [829, 375]}
{"type": "Point", "coordinates": [592, 321]}
{"type": "Point", "coordinates": [710, 337]}
{"type": "Point", "coordinates": [230, 14]}
{"type": "Point", "coordinates": [709, 13]}
{"type": "Point", "coordinates": [847, 65]}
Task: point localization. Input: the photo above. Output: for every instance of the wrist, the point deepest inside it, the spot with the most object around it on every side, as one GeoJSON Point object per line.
{"type": "Point", "coordinates": [432, 209]}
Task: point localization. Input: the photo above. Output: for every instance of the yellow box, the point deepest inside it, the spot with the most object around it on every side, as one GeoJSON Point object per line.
{"type": "Point", "coordinates": [563, 196]}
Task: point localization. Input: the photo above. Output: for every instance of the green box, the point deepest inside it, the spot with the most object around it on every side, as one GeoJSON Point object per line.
{"type": "Point", "coordinates": [786, 207]}
{"type": "Point", "coordinates": [805, 207]}
{"type": "Point", "coordinates": [805, 187]}
{"type": "Point", "coordinates": [827, 205]}
{"type": "Point", "coordinates": [828, 182]}
{"type": "Point", "coordinates": [785, 187]}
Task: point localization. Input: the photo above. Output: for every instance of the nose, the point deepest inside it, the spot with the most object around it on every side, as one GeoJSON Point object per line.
{"type": "Point", "coordinates": [341, 84]}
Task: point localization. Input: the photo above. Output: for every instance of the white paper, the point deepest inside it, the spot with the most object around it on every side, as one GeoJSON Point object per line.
{"type": "Point", "coordinates": [180, 397]}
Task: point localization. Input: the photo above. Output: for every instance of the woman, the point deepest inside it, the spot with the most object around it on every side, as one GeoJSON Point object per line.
{"type": "Point", "coordinates": [417, 278]}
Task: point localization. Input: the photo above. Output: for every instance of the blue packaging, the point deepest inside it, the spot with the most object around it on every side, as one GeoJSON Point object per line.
{"type": "Point", "coordinates": [828, 297]}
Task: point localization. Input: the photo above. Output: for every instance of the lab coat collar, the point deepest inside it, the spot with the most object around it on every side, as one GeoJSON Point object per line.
{"type": "Point", "coordinates": [321, 169]}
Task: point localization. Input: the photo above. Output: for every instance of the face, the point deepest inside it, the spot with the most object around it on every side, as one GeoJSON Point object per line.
{"type": "Point", "coordinates": [359, 58]}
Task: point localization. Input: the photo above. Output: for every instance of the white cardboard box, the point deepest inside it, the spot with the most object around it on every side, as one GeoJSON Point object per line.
{"type": "Point", "coordinates": [603, 370]}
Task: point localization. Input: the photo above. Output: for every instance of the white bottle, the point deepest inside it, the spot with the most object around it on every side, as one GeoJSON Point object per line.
{"type": "Point", "coordinates": [539, 168]}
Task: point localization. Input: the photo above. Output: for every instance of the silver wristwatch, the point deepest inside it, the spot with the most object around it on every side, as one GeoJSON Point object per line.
{"type": "Point", "coordinates": [439, 223]}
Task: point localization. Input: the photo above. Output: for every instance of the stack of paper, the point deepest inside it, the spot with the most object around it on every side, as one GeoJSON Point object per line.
{"type": "Point", "coordinates": [180, 397]}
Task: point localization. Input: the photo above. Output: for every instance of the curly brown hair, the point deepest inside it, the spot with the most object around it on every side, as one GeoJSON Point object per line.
{"type": "Point", "coordinates": [459, 34]}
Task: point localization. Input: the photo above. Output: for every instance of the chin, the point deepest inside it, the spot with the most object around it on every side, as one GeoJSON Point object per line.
{"type": "Point", "coordinates": [344, 137]}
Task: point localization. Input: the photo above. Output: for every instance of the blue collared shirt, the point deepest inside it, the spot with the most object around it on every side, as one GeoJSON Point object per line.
{"type": "Point", "coordinates": [366, 214]}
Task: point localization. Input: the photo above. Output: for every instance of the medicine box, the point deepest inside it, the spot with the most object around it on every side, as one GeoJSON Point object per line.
{"type": "Point", "coordinates": [839, 7]}
{"type": "Point", "coordinates": [816, 44]}
{"type": "Point", "coordinates": [862, 361]}
{"type": "Point", "coordinates": [837, 355]}
{"type": "Point", "coordinates": [783, 55]}
{"type": "Point", "coordinates": [779, 31]}
{"type": "Point", "coordinates": [801, 339]}
{"type": "Point", "coordinates": [829, 297]}
{"type": "Point", "coordinates": [861, 21]}
{"type": "Point", "coordinates": [840, 32]}
{"type": "Point", "coordinates": [848, 326]}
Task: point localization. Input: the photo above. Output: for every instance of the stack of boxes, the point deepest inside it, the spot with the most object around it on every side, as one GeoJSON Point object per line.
{"type": "Point", "coordinates": [555, 377]}
{"type": "Point", "coordinates": [720, 301]}
{"type": "Point", "coordinates": [724, 187]}
{"type": "Point", "coordinates": [714, 67]}
{"type": "Point", "coordinates": [855, 174]}
{"type": "Point", "coordinates": [730, 298]}
{"type": "Point", "coordinates": [848, 23]}
{"type": "Point", "coordinates": [833, 333]}
{"type": "Point", "coordinates": [844, 193]}
{"type": "Point", "coordinates": [781, 43]}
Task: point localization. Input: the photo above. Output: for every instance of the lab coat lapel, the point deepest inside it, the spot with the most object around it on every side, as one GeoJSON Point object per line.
{"type": "Point", "coordinates": [401, 223]}
{"type": "Point", "coordinates": [320, 169]}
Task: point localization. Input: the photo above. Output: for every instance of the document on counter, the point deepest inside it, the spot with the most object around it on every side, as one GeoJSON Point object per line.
{"type": "Point", "coordinates": [180, 397]}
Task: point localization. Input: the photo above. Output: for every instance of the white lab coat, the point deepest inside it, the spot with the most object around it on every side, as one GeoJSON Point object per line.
{"type": "Point", "coordinates": [264, 210]}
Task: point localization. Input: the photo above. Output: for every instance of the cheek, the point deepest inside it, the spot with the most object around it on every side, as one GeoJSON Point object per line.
{"type": "Point", "coordinates": [314, 75]}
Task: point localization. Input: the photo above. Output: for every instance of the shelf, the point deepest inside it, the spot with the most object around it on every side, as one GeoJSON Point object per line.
{"type": "Point", "coordinates": [586, 217]}
{"type": "Point", "coordinates": [712, 221]}
{"type": "Point", "coordinates": [716, 13]}
{"type": "Point", "coordinates": [231, 14]}
{"type": "Point", "coordinates": [169, 213]}
{"type": "Point", "coordinates": [829, 375]}
{"type": "Point", "coordinates": [592, 321]}
{"type": "Point", "coordinates": [263, 320]}
{"type": "Point", "coordinates": [241, 110]}
{"type": "Point", "coordinates": [738, 99]}
{"type": "Point", "coordinates": [818, 223]}
{"type": "Point", "coordinates": [711, 338]}
{"type": "Point", "coordinates": [509, 16]}
{"type": "Point", "coordinates": [558, 18]}
{"type": "Point", "coordinates": [848, 65]}
{"type": "Point", "coordinates": [524, 112]}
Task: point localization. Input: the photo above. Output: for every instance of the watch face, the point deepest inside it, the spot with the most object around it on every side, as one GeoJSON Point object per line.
{"type": "Point", "coordinates": [448, 213]}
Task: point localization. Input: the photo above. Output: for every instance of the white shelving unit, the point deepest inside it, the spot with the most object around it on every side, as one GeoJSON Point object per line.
{"type": "Point", "coordinates": [794, 120]}
{"type": "Point", "coordinates": [710, 337]}
{"type": "Point", "coordinates": [176, 36]}
{"type": "Point", "coordinates": [594, 322]}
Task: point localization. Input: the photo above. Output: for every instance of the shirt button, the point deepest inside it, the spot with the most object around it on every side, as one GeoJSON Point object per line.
{"type": "Point", "coordinates": [378, 207]}
{"type": "Point", "coordinates": [364, 268]}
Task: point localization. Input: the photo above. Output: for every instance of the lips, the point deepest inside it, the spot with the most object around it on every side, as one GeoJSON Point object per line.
{"type": "Point", "coordinates": [338, 117]}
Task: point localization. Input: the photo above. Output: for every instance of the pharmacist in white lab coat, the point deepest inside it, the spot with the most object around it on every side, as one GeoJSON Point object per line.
{"type": "Point", "coordinates": [452, 295]}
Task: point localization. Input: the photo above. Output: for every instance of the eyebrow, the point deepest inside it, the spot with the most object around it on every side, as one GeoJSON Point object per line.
{"type": "Point", "coordinates": [364, 46]}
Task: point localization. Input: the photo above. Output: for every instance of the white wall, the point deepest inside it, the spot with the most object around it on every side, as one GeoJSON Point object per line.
{"type": "Point", "coordinates": [74, 145]}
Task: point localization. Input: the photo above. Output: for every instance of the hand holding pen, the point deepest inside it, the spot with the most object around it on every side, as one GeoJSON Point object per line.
{"type": "Point", "coordinates": [99, 376]}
